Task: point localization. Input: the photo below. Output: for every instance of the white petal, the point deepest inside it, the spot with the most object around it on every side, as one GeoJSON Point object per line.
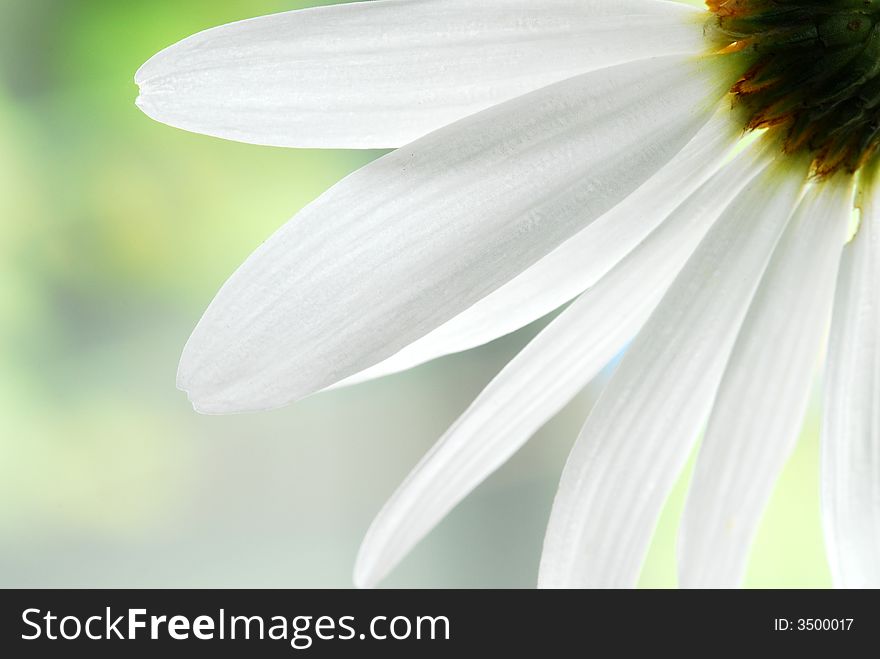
{"type": "Point", "coordinates": [851, 434]}
{"type": "Point", "coordinates": [539, 381]}
{"type": "Point", "coordinates": [414, 238]}
{"type": "Point", "coordinates": [640, 432]}
{"type": "Point", "coordinates": [757, 415]}
{"type": "Point", "coordinates": [579, 262]}
{"type": "Point", "coordinates": [381, 74]}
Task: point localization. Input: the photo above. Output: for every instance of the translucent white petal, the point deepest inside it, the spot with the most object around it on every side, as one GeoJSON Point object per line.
{"type": "Point", "coordinates": [762, 398]}
{"type": "Point", "coordinates": [579, 262]}
{"type": "Point", "coordinates": [851, 434]}
{"type": "Point", "coordinates": [381, 74]}
{"type": "Point", "coordinates": [539, 381]}
{"type": "Point", "coordinates": [414, 238]}
{"type": "Point", "coordinates": [641, 430]}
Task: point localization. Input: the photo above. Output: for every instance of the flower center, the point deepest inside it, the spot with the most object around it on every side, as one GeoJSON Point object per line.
{"type": "Point", "coordinates": [813, 74]}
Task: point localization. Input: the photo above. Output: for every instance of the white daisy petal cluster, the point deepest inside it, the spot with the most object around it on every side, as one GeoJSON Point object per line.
{"type": "Point", "coordinates": [555, 151]}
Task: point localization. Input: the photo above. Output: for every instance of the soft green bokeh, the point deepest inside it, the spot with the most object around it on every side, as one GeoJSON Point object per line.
{"type": "Point", "coordinates": [116, 232]}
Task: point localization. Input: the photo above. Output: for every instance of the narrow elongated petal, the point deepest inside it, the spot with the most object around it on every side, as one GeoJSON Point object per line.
{"type": "Point", "coordinates": [641, 430]}
{"type": "Point", "coordinates": [381, 74]}
{"type": "Point", "coordinates": [543, 377]}
{"type": "Point", "coordinates": [411, 240]}
{"type": "Point", "coordinates": [579, 262]}
{"type": "Point", "coordinates": [851, 433]}
{"type": "Point", "coordinates": [763, 395]}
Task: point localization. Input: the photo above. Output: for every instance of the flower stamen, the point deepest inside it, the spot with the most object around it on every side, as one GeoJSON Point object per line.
{"type": "Point", "coordinates": [813, 74]}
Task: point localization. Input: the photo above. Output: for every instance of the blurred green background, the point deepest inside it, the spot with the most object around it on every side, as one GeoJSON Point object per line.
{"type": "Point", "coordinates": [116, 232]}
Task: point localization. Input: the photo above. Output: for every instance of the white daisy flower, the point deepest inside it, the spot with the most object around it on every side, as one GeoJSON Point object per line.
{"type": "Point", "coordinates": [559, 150]}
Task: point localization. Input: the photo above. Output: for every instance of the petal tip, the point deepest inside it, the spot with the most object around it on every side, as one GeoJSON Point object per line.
{"type": "Point", "coordinates": [211, 399]}
{"type": "Point", "coordinates": [140, 75]}
{"type": "Point", "coordinates": [146, 101]}
{"type": "Point", "coordinates": [365, 575]}
{"type": "Point", "coordinates": [362, 581]}
{"type": "Point", "coordinates": [142, 78]}
{"type": "Point", "coordinates": [142, 104]}
{"type": "Point", "coordinates": [156, 89]}
{"type": "Point", "coordinates": [206, 402]}
{"type": "Point", "coordinates": [202, 402]}
{"type": "Point", "coordinates": [202, 405]}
